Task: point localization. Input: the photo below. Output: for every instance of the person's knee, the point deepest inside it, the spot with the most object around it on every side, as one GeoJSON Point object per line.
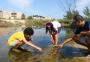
{"type": "Point", "coordinates": [20, 43]}
{"type": "Point", "coordinates": [82, 41]}
{"type": "Point", "coordinates": [17, 44]}
{"type": "Point", "coordinates": [76, 38]}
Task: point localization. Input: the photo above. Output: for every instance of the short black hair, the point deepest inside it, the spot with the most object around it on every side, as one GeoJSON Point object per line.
{"type": "Point", "coordinates": [77, 18]}
{"type": "Point", "coordinates": [29, 31]}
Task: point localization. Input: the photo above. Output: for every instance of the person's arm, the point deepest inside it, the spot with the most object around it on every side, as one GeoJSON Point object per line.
{"type": "Point", "coordinates": [66, 41]}
{"type": "Point", "coordinates": [75, 37]}
{"type": "Point", "coordinates": [52, 39]}
{"type": "Point", "coordinates": [87, 33]}
{"type": "Point", "coordinates": [64, 25]}
{"type": "Point", "coordinates": [32, 45]}
{"type": "Point", "coordinates": [56, 38]}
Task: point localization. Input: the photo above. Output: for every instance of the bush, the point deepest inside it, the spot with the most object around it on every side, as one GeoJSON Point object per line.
{"type": "Point", "coordinates": [36, 23]}
{"type": "Point", "coordinates": [6, 24]}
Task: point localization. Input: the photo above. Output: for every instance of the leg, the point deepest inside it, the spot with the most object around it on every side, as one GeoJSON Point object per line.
{"type": "Point", "coordinates": [85, 42]}
{"type": "Point", "coordinates": [88, 43]}
{"type": "Point", "coordinates": [16, 44]}
{"type": "Point", "coordinates": [53, 39]}
{"type": "Point", "coordinates": [80, 40]}
{"type": "Point", "coordinates": [56, 39]}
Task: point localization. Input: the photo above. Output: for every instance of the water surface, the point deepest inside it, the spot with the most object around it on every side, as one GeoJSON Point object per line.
{"type": "Point", "coordinates": [49, 54]}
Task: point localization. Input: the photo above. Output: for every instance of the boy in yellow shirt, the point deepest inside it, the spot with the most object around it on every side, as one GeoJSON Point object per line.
{"type": "Point", "coordinates": [22, 37]}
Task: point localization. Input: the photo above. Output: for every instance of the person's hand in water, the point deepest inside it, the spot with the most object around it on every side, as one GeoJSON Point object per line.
{"type": "Point", "coordinates": [40, 49]}
{"type": "Point", "coordinates": [66, 41]}
{"type": "Point", "coordinates": [61, 45]}
{"type": "Point", "coordinates": [55, 45]}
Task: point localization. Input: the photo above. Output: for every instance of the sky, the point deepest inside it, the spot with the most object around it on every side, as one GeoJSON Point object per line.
{"type": "Point", "coordinates": [52, 8]}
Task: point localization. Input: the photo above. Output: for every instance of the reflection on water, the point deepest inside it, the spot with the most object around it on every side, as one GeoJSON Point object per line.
{"type": "Point", "coordinates": [19, 56]}
{"type": "Point", "coordinates": [49, 54]}
{"type": "Point", "coordinates": [43, 40]}
{"type": "Point", "coordinates": [69, 51]}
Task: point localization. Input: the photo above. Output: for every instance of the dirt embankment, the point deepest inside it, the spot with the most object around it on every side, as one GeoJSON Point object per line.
{"type": "Point", "coordinates": [6, 30]}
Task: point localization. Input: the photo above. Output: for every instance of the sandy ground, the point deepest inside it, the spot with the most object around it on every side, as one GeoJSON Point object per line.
{"type": "Point", "coordinates": [4, 31]}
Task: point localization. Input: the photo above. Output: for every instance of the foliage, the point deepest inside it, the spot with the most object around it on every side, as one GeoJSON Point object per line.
{"type": "Point", "coordinates": [29, 17]}
{"type": "Point", "coordinates": [23, 16]}
{"type": "Point", "coordinates": [69, 14]}
{"type": "Point", "coordinates": [87, 13]}
{"type": "Point", "coordinates": [6, 24]}
{"type": "Point", "coordinates": [36, 23]}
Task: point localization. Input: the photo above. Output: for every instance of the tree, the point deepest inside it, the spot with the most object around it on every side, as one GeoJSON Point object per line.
{"type": "Point", "coordinates": [70, 14]}
{"type": "Point", "coordinates": [75, 12]}
{"type": "Point", "coordinates": [87, 12]}
{"type": "Point", "coordinates": [23, 16]}
{"type": "Point", "coordinates": [30, 17]}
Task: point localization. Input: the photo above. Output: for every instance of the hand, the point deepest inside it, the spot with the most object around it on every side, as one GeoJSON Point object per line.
{"type": "Point", "coordinates": [55, 46]}
{"type": "Point", "coordinates": [61, 45]}
{"type": "Point", "coordinates": [40, 49]}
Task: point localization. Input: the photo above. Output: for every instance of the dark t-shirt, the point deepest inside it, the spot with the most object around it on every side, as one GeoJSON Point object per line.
{"type": "Point", "coordinates": [85, 28]}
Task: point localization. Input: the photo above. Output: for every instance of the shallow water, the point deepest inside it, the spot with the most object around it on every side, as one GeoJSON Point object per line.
{"type": "Point", "coordinates": [49, 54]}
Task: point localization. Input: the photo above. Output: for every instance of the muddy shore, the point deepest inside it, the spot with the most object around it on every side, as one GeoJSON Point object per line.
{"type": "Point", "coordinates": [6, 30]}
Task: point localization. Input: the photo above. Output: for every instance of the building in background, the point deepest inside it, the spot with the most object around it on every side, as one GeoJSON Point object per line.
{"type": "Point", "coordinates": [12, 16]}
{"type": "Point", "coordinates": [41, 17]}
{"type": "Point", "coordinates": [18, 17]}
{"type": "Point", "coordinates": [6, 14]}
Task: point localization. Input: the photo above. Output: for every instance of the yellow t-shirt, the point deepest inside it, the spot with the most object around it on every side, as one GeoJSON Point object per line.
{"type": "Point", "coordinates": [16, 36]}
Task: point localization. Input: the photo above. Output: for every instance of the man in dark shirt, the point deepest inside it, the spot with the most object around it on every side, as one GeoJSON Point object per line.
{"type": "Point", "coordinates": [81, 32]}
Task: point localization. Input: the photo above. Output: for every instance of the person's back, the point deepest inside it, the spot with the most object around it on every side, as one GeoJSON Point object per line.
{"type": "Point", "coordinates": [56, 25]}
{"type": "Point", "coordinates": [16, 36]}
